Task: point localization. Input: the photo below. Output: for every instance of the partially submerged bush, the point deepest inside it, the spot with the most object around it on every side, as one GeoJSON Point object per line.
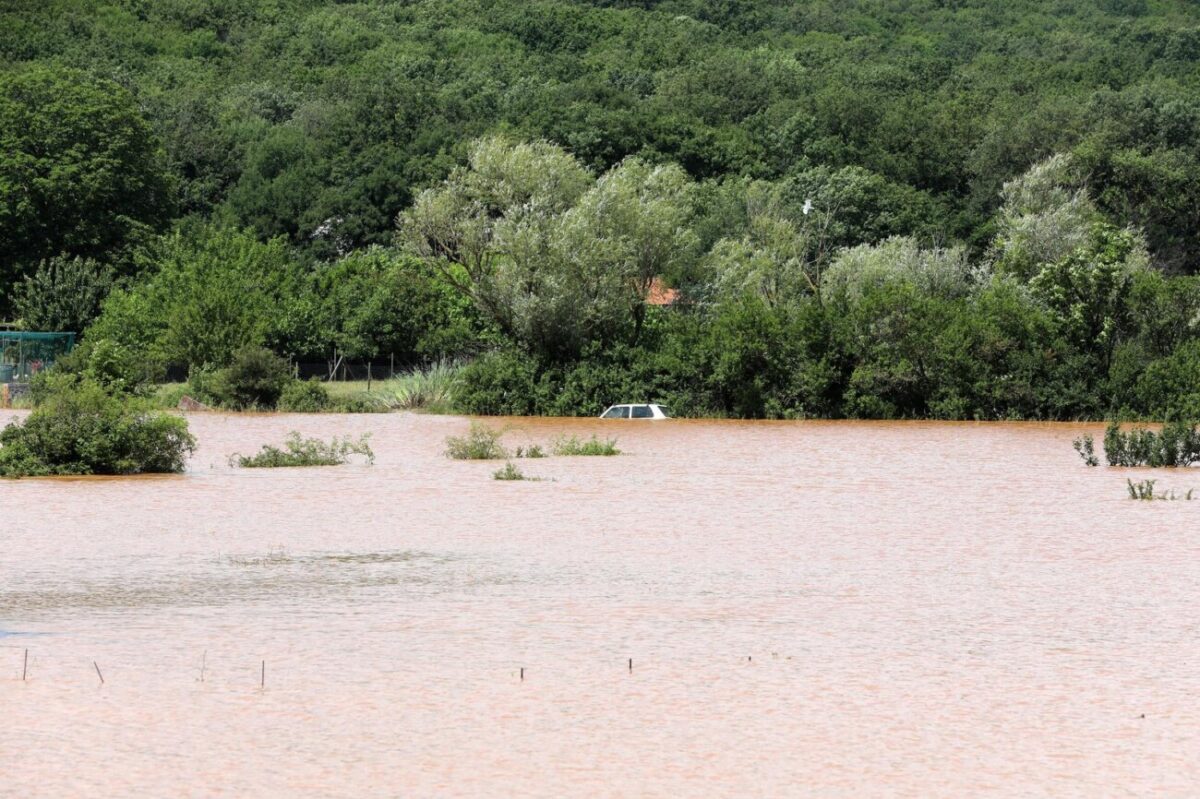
{"type": "Point", "coordinates": [509, 472]}
{"type": "Point", "coordinates": [532, 451]}
{"type": "Point", "coordinates": [1144, 490]}
{"type": "Point", "coordinates": [79, 428]}
{"type": "Point", "coordinates": [1177, 444]}
{"type": "Point", "coordinates": [299, 451]}
{"type": "Point", "coordinates": [572, 445]}
{"type": "Point", "coordinates": [304, 396]}
{"type": "Point", "coordinates": [482, 443]}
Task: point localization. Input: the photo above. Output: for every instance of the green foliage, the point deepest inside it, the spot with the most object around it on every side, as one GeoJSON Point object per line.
{"type": "Point", "coordinates": [431, 388]}
{"type": "Point", "coordinates": [1144, 490]}
{"type": "Point", "coordinates": [112, 365]}
{"type": "Point", "coordinates": [1086, 447]}
{"type": "Point", "coordinates": [870, 209]}
{"type": "Point", "coordinates": [573, 445]}
{"type": "Point", "coordinates": [304, 396]}
{"type": "Point", "coordinates": [1177, 444]}
{"type": "Point", "coordinates": [509, 472]}
{"type": "Point", "coordinates": [482, 443]}
{"type": "Point", "coordinates": [298, 451]}
{"type": "Point", "coordinates": [63, 294]}
{"type": "Point", "coordinates": [80, 174]}
{"type": "Point", "coordinates": [80, 428]}
{"type": "Point", "coordinates": [256, 379]}
{"type": "Point", "coordinates": [532, 451]}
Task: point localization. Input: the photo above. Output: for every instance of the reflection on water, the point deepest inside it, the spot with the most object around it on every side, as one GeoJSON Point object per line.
{"type": "Point", "coordinates": [811, 608]}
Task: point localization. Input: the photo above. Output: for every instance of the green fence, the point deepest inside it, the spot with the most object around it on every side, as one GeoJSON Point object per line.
{"type": "Point", "coordinates": [24, 353]}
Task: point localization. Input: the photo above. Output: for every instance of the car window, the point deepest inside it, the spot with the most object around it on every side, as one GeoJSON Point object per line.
{"type": "Point", "coordinates": [616, 412]}
{"type": "Point", "coordinates": [665, 412]}
{"type": "Point", "coordinates": [642, 412]}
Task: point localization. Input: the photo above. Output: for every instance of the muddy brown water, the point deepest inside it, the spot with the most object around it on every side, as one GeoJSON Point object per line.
{"type": "Point", "coordinates": [831, 609]}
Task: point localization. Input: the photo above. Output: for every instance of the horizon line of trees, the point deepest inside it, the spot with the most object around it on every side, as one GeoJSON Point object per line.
{"type": "Point", "coordinates": [970, 210]}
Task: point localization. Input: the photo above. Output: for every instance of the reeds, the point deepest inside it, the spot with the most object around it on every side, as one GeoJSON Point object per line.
{"type": "Point", "coordinates": [299, 451]}
{"type": "Point", "coordinates": [430, 388]}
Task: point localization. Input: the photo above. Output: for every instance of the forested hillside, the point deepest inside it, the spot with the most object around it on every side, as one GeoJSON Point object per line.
{"type": "Point", "coordinates": [966, 208]}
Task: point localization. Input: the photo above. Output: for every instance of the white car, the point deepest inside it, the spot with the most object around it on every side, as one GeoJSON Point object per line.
{"type": "Point", "coordinates": [646, 411]}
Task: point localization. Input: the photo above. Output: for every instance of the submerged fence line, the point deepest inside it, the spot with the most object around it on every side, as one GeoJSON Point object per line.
{"type": "Point", "coordinates": [262, 680]}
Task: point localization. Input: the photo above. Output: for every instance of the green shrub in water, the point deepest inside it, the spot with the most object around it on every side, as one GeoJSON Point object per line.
{"type": "Point", "coordinates": [304, 396]}
{"type": "Point", "coordinates": [482, 443]}
{"type": "Point", "coordinates": [572, 445]}
{"type": "Point", "coordinates": [1177, 444]}
{"type": "Point", "coordinates": [80, 428]}
{"type": "Point", "coordinates": [532, 451]}
{"type": "Point", "coordinates": [509, 472]}
{"type": "Point", "coordinates": [299, 451]}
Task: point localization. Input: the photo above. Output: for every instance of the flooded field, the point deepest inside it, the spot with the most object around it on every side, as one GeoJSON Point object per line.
{"type": "Point", "coordinates": [830, 609]}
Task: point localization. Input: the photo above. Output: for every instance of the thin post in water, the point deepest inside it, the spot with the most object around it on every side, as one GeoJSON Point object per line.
{"type": "Point", "coordinates": [631, 665]}
{"type": "Point", "coordinates": [25, 666]}
{"type": "Point", "coordinates": [263, 679]}
{"type": "Point", "coordinates": [522, 674]}
{"type": "Point", "coordinates": [98, 674]}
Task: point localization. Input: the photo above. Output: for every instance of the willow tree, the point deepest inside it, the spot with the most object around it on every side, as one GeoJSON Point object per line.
{"type": "Point", "coordinates": [552, 256]}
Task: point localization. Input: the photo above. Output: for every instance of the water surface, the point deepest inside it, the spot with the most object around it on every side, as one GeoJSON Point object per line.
{"type": "Point", "coordinates": [830, 609]}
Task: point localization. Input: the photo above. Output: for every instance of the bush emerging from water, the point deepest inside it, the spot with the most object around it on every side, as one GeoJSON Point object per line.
{"type": "Point", "coordinates": [482, 443]}
{"type": "Point", "coordinates": [299, 451]}
{"type": "Point", "coordinates": [79, 428]}
{"type": "Point", "coordinates": [1177, 444]}
{"type": "Point", "coordinates": [572, 445]}
{"type": "Point", "coordinates": [1144, 490]}
{"type": "Point", "coordinates": [509, 472]}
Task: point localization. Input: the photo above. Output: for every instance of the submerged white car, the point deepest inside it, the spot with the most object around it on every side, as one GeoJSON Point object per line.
{"type": "Point", "coordinates": [646, 411]}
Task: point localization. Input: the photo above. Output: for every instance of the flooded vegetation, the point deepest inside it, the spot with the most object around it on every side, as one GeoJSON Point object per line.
{"type": "Point", "coordinates": [298, 451]}
{"type": "Point", "coordinates": [718, 611]}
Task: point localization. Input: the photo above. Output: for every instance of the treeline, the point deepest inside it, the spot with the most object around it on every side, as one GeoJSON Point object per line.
{"type": "Point", "coordinates": [960, 210]}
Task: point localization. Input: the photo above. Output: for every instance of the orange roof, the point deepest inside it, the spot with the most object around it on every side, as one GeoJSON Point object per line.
{"type": "Point", "coordinates": [659, 294]}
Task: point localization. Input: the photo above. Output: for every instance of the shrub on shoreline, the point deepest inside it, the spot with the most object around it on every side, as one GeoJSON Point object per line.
{"type": "Point", "coordinates": [304, 396]}
{"type": "Point", "coordinates": [78, 428]}
{"type": "Point", "coordinates": [299, 451]}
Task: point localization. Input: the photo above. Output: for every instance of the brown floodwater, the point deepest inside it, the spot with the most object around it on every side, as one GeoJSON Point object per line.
{"type": "Point", "coordinates": [832, 609]}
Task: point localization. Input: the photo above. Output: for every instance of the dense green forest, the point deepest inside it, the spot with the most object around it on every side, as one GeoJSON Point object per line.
{"type": "Point", "coordinates": [868, 208]}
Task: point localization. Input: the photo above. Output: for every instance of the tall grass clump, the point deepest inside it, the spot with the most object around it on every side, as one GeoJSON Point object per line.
{"type": "Point", "coordinates": [481, 443]}
{"type": "Point", "coordinates": [431, 388]}
{"type": "Point", "coordinates": [573, 445]}
{"type": "Point", "coordinates": [299, 451]}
